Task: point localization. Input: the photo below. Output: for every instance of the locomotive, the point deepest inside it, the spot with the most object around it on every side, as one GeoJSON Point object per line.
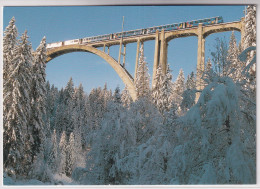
{"type": "Point", "coordinates": [168, 27]}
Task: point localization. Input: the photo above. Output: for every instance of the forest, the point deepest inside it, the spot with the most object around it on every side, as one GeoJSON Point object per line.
{"type": "Point", "coordinates": [167, 136]}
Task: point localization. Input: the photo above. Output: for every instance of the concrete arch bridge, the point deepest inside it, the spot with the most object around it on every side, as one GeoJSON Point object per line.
{"type": "Point", "coordinates": [161, 38]}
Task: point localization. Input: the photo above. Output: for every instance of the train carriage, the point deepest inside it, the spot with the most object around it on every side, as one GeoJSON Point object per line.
{"type": "Point", "coordinates": [53, 45]}
{"type": "Point", "coordinates": [72, 42]}
{"type": "Point", "coordinates": [169, 27]}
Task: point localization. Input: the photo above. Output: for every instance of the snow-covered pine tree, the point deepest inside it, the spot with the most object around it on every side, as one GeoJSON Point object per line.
{"type": "Point", "coordinates": [38, 99]}
{"type": "Point", "coordinates": [191, 81]}
{"type": "Point", "coordinates": [63, 154]}
{"type": "Point", "coordinates": [219, 57]}
{"type": "Point", "coordinates": [142, 79]}
{"type": "Point", "coordinates": [250, 40]}
{"type": "Point", "coordinates": [53, 160]}
{"type": "Point", "coordinates": [52, 99]}
{"type": "Point", "coordinates": [79, 115]}
{"type": "Point", "coordinates": [71, 155]}
{"type": "Point", "coordinates": [112, 143]}
{"type": "Point", "coordinates": [188, 96]}
{"type": "Point", "coordinates": [156, 91]}
{"type": "Point", "coordinates": [9, 46]}
{"type": "Point", "coordinates": [250, 26]}
{"type": "Point", "coordinates": [95, 108]}
{"type": "Point", "coordinates": [235, 69]}
{"type": "Point", "coordinates": [117, 96]}
{"type": "Point", "coordinates": [166, 90]}
{"type": "Point", "coordinates": [179, 87]}
{"type": "Point", "coordinates": [126, 98]}
{"type": "Point", "coordinates": [17, 140]}
{"type": "Point", "coordinates": [107, 94]}
{"type": "Point", "coordinates": [68, 102]}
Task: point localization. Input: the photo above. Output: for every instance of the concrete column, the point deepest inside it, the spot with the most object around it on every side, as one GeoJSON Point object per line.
{"type": "Point", "coordinates": [163, 52]}
{"type": "Point", "coordinates": [104, 48]}
{"type": "Point", "coordinates": [108, 50]}
{"type": "Point", "coordinates": [124, 55]}
{"type": "Point", "coordinates": [242, 32]}
{"type": "Point", "coordinates": [120, 50]}
{"type": "Point", "coordinates": [200, 60]}
{"type": "Point", "coordinates": [137, 57]}
{"type": "Point", "coordinates": [156, 56]}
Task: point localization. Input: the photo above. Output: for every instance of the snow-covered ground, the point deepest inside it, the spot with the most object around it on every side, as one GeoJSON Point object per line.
{"type": "Point", "coordinates": [57, 180]}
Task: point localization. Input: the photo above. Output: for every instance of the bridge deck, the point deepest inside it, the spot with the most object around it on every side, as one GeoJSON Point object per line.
{"type": "Point", "coordinates": [184, 32]}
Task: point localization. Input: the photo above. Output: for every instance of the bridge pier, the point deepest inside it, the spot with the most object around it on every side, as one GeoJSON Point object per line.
{"type": "Point", "coordinates": [156, 56]}
{"type": "Point", "coordinates": [108, 50]}
{"type": "Point", "coordinates": [137, 57]}
{"type": "Point", "coordinates": [200, 61]}
{"type": "Point", "coordinates": [163, 52]}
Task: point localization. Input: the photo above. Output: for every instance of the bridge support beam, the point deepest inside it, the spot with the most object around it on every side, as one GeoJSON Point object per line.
{"type": "Point", "coordinates": [137, 57]}
{"type": "Point", "coordinates": [156, 56]}
{"type": "Point", "coordinates": [124, 55]}
{"type": "Point", "coordinates": [120, 51]}
{"type": "Point", "coordinates": [104, 47]}
{"type": "Point", "coordinates": [163, 52]}
{"type": "Point", "coordinates": [200, 61]}
{"type": "Point", "coordinates": [108, 50]}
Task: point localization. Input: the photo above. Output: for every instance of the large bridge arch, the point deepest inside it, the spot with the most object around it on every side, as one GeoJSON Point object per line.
{"type": "Point", "coordinates": [123, 74]}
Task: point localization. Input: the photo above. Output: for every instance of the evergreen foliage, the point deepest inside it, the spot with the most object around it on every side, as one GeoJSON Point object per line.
{"type": "Point", "coordinates": [142, 79]}
{"type": "Point", "coordinates": [126, 98]}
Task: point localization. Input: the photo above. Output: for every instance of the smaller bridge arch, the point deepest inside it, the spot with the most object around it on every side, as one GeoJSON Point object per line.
{"type": "Point", "coordinates": [122, 72]}
{"type": "Point", "coordinates": [237, 26]}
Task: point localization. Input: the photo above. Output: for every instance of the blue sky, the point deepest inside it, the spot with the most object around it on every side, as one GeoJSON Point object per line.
{"type": "Point", "coordinates": [65, 23]}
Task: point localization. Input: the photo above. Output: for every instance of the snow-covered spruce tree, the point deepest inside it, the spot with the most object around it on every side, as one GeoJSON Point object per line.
{"type": "Point", "coordinates": [126, 98]}
{"type": "Point", "coordinates": [188, 96]}
{"type": "Point", "coordinates": [179, 87]}
{"type": "Point", "coordinates": [79, 115]}
{"type": "Point", "coordinates": [235, 66]}
{"type": "Point", "coordinates": [146, 119]}
{"type": "Point", "coordinates": [162, 90]}
{"type": "Point", "coordinates": [53, 157]}
{"type": "Point", "coordinates": [59, 121]}
{"type": "Point", "coordinates": [17, 140]}
{"type": "Point", "coordinates": [38, 99]}
{"type": "Point", "coordinates": [166, 90]}
{"type": "Point", "coordinates": [68, 102]}
{"type": "Point", "coordinates": [250, 27]}
{"type": "Point", "coordinates": [117, 96]}
{"type": "Point", "coordinates": [72, 154]}
{"type": "Point", "coordinates": [95, 108]}
{"type": "Point", "coordinates": [62, 167]}
{"type": "Point", "coordinates": [9, 46]}
{"type": "Point", "coordinates": [219, 57]}
{"type": "Point", "coordinates": [142, 79]}
{"type": "Point", "coordinates": [250, 41]}
{"type": "Point", "coordinates": [107, 94]}
{"type": "Point", "coordinates": [156, 90]}
{"type": "Point", "coordinates": [52, 98]}
{"type": "Point", "coordinates": [111, 145]}
{"type": "Point", "coordinates": [213, 151]}
{"type": "Point", "coordinates": [154, 154]}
